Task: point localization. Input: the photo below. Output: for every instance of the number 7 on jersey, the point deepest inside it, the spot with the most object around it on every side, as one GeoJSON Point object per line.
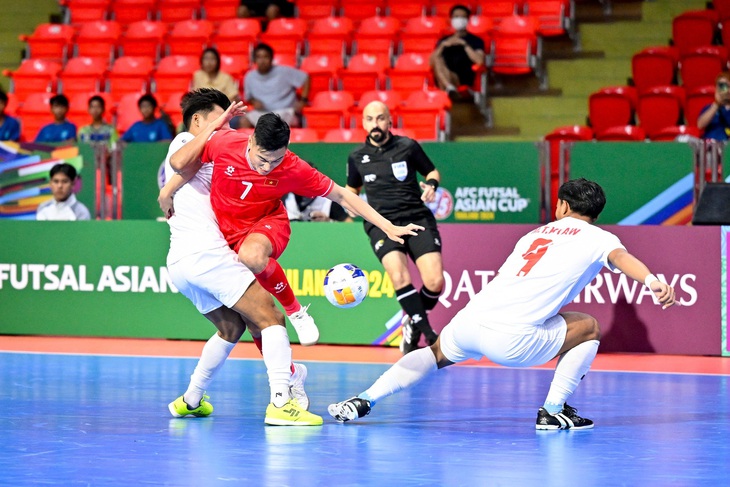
{"type": "Point", "coordinates": [248, 188]}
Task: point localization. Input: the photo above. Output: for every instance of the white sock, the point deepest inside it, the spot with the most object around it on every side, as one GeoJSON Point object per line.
{"type": "Point", "coordinates": [572, 366]}
{"type": "Point", "coordinates": [404, 373]}
{"type": "Point", "coordinates": [277, 357]}
{"type": "Point", "coordinates": [215, 353]}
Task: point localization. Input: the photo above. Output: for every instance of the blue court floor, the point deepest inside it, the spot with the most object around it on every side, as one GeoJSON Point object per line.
{"type": "Point", "coordinates": [103, 420]}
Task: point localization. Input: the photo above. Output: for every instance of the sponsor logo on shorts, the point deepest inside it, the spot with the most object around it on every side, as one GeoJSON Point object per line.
{"type": "Point", "coordinates": [437, 241]}
{"type": "Point", "coordinates": [379, 244]}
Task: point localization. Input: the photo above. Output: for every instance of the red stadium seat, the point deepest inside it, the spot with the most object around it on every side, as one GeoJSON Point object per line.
{"type": "Point", "coordinates": [391, 99]}
{"type": "Point", "coordinates": [497, 10]}
{"type": "Point", "coordinates": [697, 99]}
{"type": "Point", "coordinates": [340, 135]}
{"type": "Point", "coordinates": [174, 74]}
{"type": "Point", "coordinates": [570, 133]}
{"type": "Point", "coordinates": [50, 42]}
{"type": "Point", "coordinates": [722, 7]}
{"type": "Point", "coordinates": [660, 107]}
{"type": "Point", "coordinates": [79, 11]}
{"type": "Point", "coordinates": [82, 75]}
{"type": "Point", "coordinates": [33, 76]}
{"type": "Point", "coordinates": [143, 38]}
{"type": "Point", "coordinates": [420, 34]}
{"type": "Point", "coordinates": [668, 134]}
{"type": "Point", "coordinates": [300, 135]}
{"type": "Point", "coordinates": [362, 9]}
{"type": "Point", "coordinates": [426, 114]}
{"type": "Point", "coordinates": [364, 72]}
{"type": "Point", "coordinates": [406, 9]}
{"type": "Point", "coordinates": [695, 28]}
{"type": "Point", "coordinates": [172, 108]}
{"type": "Point", "coordinates": [551, 15]}
{"type": "Point", "coordinates": [700, 66]}
{"type": "Point", "coordinates": [128, 112]}
{"type": "Point", "coordinates": [128, 11]}
{"type": "Point", "coordinates": [220, 10]}
{"type": "Point", "coordinates": [285, 36]}
{"type": "Point", "coordinates": [322, 70]}
{"type": "Point", "coordinates": [442, 8]}
{"type": "Point", "coordinates": [12, 106]}
{"type": "Point", "coordinates": [237, 36]}
{"type": "Point", "coordinates": [34, 114]}
{"type": "Point", "coordinates": [376, 35]}
{"type": "Point", "coordinates": [515, 47]}
{"type": "Point", "coordinates": [327, 110]}
{"type": "Point", "coordinates": [235, 65]}
{"type": "Point", "coordinates": [412, 72]}
{"type": "Point", "coordinates": [189, 37]}
{"type": "Point", "coordinates": [171, 11]}
{"type": "Point", "coordinates": [129, 74]}
{"type": "Point", "coordinates": [611, 107]}
{"type": "Point", "coordinates": [330, 35]}
{"type": "Point", "coordinates": [403, 132]}
{"type": "Point", "coordinates": [623, 133]}
{"type": "Point", "coordinates": [315, 9]}
{"type": "Point", "coordinates": [654, 66]}
{"type": "Point", "coordinates": [286, 59]}
{"type": "Point", "coordinates": [481, 27]}
{"type": "Point", "coordinates": [98, 39]}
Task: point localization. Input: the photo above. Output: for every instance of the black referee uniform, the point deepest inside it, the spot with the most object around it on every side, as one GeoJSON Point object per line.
{"type": "Point", "coordinates": [389, 176]}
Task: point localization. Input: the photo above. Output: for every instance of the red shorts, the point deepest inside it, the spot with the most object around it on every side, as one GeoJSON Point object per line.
{"type": "Point", "coordinates": [275, 227]}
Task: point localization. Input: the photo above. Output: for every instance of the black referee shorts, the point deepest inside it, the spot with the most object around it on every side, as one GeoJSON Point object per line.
{"type": "Point", "coordinates": [428, 240]}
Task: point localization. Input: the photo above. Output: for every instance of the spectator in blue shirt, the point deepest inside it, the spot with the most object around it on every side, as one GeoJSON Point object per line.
{"type": "Point", "coordinates": [9, 126]}
{"type": "Point", "coordinates": [61, 130]}
{"type": "Point", "coordinates": [149, 129]}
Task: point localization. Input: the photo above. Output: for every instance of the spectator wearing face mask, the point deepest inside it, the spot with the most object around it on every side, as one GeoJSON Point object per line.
{"type": "Point", "coordinates": [715, 117]}
{"type": "Point", "coordinates": [455, 55]}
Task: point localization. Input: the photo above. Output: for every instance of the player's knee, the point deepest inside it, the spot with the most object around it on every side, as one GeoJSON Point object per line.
{"type": "Point", "coordinates": [400, 279]}
{"type": "Point", "coordinates": [253, 259]}
{"type": "Point", "coordinates": [434, 283]}
{"type": "Point", "coordinates": [594, 330]}
{"type": "Point", "coordinates": [232, 331]}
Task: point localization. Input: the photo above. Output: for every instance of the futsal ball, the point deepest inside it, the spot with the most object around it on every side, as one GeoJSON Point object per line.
{"type": "Point", "coordinates": [345, 285]}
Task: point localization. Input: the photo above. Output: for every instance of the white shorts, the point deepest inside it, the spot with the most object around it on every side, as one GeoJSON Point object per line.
{"type": "Point", "coordinates": [211, 279]}
{"type": "Point", "coordinates": [525, 346]}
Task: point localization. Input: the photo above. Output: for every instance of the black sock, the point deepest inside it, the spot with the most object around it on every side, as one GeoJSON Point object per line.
{"type": "Point", "coordinates": [429, 298]}
{"type": "Point", "coordinates": [410, 301]}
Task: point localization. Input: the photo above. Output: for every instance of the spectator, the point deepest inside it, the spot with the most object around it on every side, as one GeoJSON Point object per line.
{"type": "Point", "coordinates": [98, 131]}
{"type": "Point", "coordinates": [273, 88]}
{"type": "Point", "coordinates": [317, 209]}
{"type": "Point", "coordinates": [715, 117]}
{"type": "Point", "coordinates": [9, 126]}
{"type": "Point", "coordinates": [455, 55]}
{"type": "Point", "coordinates": [210, 75]}
{"type": "Point", "coordinates": [61, 130]}
{"type": "Point", "coordinates": [271, 9]}
{"type": "Point", "coordinates": [63, 205]}
{"type": "Point", "coordinates": [150, 128]}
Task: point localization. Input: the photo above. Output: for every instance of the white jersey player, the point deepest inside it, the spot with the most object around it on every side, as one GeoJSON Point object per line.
{"type": "Point", "coordinates": [515, 320]}
{"type": "Point", "coordinates": [206, 271]}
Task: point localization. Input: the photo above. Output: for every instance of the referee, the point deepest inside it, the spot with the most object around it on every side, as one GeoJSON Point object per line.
{"type": "Point", "coordinates": [387, 166]}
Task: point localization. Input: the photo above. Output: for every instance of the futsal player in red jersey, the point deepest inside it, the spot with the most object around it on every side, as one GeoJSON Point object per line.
{"type": "Point", "coordinates": [250, 176]}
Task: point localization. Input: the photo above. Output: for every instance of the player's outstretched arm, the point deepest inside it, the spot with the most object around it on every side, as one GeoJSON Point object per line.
{"type": "Point", "coordinates": [637, 270]}
{"type": "Point", "coordinates": [177, 181]}
{"type": "Point", "coordinates": [191, 152]}
{"type": "Point", "coordinates": [356, 205]}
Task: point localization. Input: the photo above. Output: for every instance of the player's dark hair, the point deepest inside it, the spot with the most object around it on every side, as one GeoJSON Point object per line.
{"type": "Point", "coordinates": [147, 98]}
{"type": "Point", "coordinates": [202, 101]}
{"type": "Point", "coordinates": [100, 100]}
{"type": "Point", "coordinates": [264, 47]}
{"type": "Point", "coordinates": [271, 132]}
{"type": "Point", "coordinates": [3, 97]}
{"type": "Point", "coordinates": [215, 53]}
{"type": "Point", "coordinates": [59, 100]}
{"type": "Point", "coordinates": [460, 7]}
{"type": "Point", "coordinates": [64, 168]}
{"type": "Point", "coordinates": [584, 197]}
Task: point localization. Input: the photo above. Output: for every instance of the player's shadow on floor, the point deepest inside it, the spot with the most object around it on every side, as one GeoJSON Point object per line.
{"type": "Point", "coordinates": [627, 333]}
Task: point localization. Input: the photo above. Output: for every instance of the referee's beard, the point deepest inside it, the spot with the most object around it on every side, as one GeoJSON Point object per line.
{"type": "Point", "coordinates": [377, 136]}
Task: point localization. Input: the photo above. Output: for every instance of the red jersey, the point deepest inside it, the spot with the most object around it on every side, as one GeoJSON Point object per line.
{"type": "Point", "coordinates": [240, 196]}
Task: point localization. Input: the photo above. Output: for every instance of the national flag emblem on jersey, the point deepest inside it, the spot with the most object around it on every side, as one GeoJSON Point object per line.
{"type": "Point", "coordinates": [271, 182]}
{"type": "Point", "coordinates": [400, 170]}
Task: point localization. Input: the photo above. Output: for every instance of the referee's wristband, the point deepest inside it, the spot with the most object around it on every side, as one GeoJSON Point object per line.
{"type": "Point", "coordinates": [649, 279]}
{"type": "Point", "coordinates": [433, 182]}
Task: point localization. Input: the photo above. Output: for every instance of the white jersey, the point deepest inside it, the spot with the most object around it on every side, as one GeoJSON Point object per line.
{"type": "Point", "coordinates": [547, 269]}
{"type": "Point", "coordinates": [193, 227]}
